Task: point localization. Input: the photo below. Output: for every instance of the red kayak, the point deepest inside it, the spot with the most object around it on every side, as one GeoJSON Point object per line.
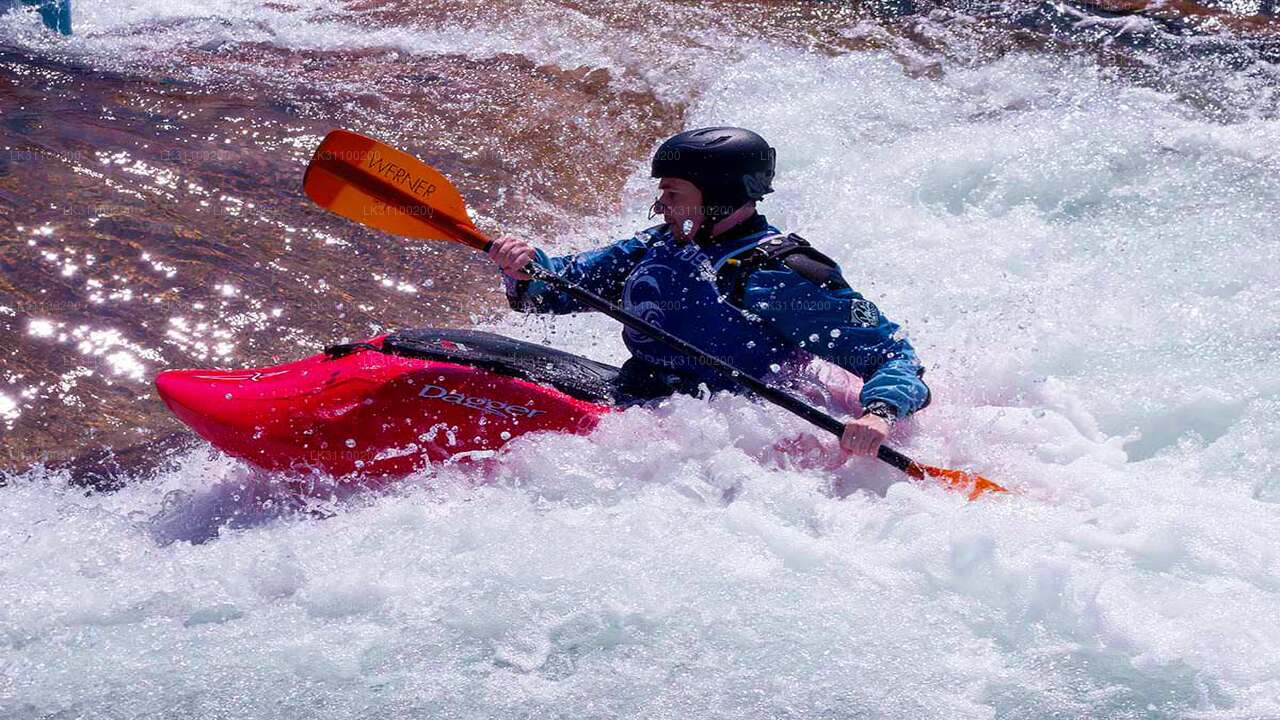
{"type": "Point", "coordinates": [389, 405]}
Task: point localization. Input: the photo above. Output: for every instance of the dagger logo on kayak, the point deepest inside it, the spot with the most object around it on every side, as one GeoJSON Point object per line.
{"type": "Point", "coordinates": [399, 175]}
{"type": "Point", "coordinates": [477, 402]}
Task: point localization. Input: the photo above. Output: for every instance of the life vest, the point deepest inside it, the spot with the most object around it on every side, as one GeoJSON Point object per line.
{"type": "Point", "coordinates": [792, 251]}
{"type": "Point", "coordinates": [695, 293]}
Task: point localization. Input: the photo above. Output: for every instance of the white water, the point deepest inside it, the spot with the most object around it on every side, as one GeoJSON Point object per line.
{"type": "Point", "coordinates": [119, 34]}
{"type": "Point", "coordinates": [1089, 270]}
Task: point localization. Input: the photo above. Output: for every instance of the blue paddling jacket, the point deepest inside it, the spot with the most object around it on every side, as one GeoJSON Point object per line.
{"type": "Point", "coordinates": [750, 296]}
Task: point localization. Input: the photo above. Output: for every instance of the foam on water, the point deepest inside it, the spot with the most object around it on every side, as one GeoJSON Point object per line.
{"type": "Point", "coordinates": [1089, 270]}
{"type": "Point", "coordinates": [132, 34]}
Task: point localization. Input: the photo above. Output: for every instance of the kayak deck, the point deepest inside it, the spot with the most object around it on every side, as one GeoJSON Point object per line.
{"type": "Point", "coordinates": [389, 405]}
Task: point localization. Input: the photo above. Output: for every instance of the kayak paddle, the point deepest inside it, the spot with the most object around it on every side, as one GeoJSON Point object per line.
{"type": "Point", "coordinates": [364, 180]}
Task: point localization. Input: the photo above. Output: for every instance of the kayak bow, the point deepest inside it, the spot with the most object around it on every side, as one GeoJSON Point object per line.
{"type": "Point", "coordinates": [389, 405]}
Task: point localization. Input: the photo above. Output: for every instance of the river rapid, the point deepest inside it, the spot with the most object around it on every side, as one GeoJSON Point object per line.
{"type": "Point", "coordinates": [1071, 209]}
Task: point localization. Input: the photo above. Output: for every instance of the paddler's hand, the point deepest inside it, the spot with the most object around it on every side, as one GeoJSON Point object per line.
{"type": "Point", "coordinates": [512, 255]}
{"type": "Point", "coordinates": [864, 435]}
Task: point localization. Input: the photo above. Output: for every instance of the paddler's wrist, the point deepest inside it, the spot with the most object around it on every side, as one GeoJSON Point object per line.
{"type": "Point", "coordinates": [882, 410]}
{"type": "Point", "coordinates": [514, 288]}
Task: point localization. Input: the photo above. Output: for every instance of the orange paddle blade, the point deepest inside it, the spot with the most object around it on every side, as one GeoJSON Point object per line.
{"type": "Point", "coordinates": [376, 185]}
{"type": "Point", "coordinates": [973, 484]}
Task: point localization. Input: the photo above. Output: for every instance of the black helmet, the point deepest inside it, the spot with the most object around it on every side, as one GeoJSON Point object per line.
{"type": "Point", "coordinates": [731, 166]}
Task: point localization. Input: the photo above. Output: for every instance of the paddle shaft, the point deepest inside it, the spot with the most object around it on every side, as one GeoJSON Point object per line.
{"type": "Point", "coordinates": [784, 400]}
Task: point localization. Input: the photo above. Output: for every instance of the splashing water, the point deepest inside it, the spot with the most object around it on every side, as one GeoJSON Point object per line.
{"type": "Point", "coordinates": [1085, 260]}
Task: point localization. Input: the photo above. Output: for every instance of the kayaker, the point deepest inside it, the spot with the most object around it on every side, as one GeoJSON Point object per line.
{"type": "Point", "coordinates": [718, 275]}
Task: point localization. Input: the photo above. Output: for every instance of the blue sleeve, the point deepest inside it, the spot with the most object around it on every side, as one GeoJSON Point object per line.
{"type": "Point", "coordinates": [603, 271]}
{"type": "Point", "coordinates": [841, 326]}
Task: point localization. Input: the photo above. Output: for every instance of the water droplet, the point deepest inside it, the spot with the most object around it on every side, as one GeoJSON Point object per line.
{"type": "Point", "coordinates": [813, 337]}
{"type": "Point", "coordinates": [505, 435]}
{"type": "Point", "coordinates": [350, 443]}
{"type": "Point", "coordinates": [835, 332]}
{"type": "Point", "coordinates": [227, 396]}
{"type": "Point", "coordinates": [775, 367]}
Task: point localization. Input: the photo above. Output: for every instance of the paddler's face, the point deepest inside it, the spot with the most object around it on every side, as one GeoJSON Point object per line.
{"type": "Point", "coordinates": [680, 204]}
